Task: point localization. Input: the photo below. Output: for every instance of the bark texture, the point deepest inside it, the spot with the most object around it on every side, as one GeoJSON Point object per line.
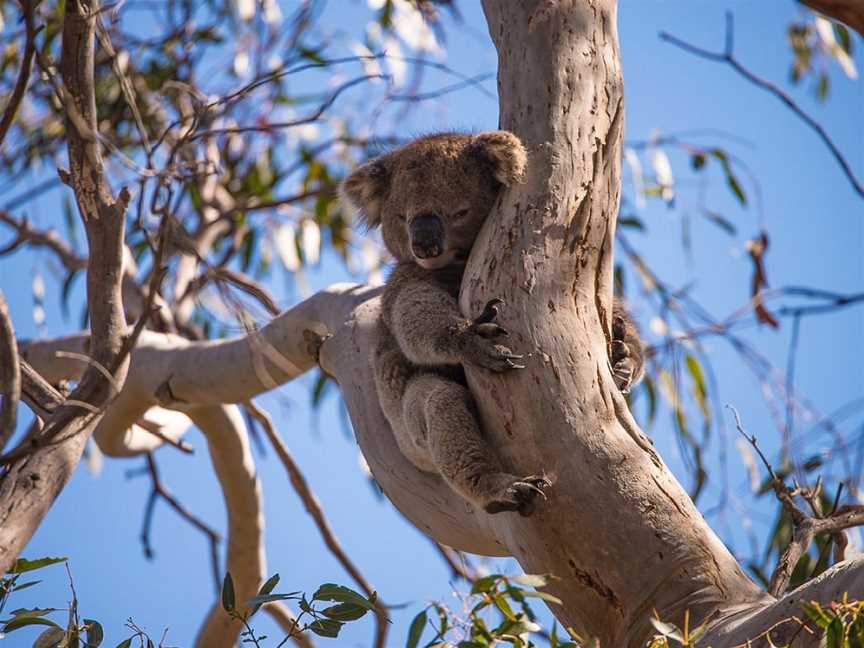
{"type": "Point", "coordinates": [618, 530]}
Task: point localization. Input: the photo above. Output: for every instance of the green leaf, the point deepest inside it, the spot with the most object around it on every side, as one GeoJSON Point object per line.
{"type": "Point", "coordinates": [266, 588]}
{"type": "Point", "coordinates": [731, 180]}
{"type": "Point", "coordinates": [531, 580]}
{"type": "Point", "coordinates": [502, 604]}
{"type": "Point", "coordinates": [326, 627]}
{"type": "Point", "coordinates": [632, 222]}
{"type": "Point", "coordinates": [823, 86]}
{"type": "Point", "coordinates": [50, 638]}
{"type": "Point", "coordinates": [24, 621]}
{"type": "Point", "coordinates": [721, 222]}
{"type": "Point", "coordinates": [416, 630]}
{"type": "Point", "coordinates": [342, 594]}
{"type": "Point", "coordinates": [817, 615]}
{"type": "Point", "coordinates": [699, 389]}
{"type": "Point", "coordinates": [734, 185]}
{"type": "Point", "coordinates": [344, 612]}
{"type": "Point", "coordinates": [95, 634]}
{"type": "Point", "coordinates": [260, 599]}
{"type": "Point", "coordinates": [126, 643]}
{"type": "Point", "coordinates": [485, 584]}
{"type": "Point", "coordinates": [322, 382]}
{"type": "Point", "coordinates": [834, 634]}
{"type": "Point", "coordinates": [32, 611]}
{"type": "Point", "coordinates": [228, 593]}
{"type": "Point", "coordinates": [23, 565]}
{"type": "Point", "coordinates": [841, 34]}
{"type": "Point", "coordinates": [697, 161]}
{"type": "Point", "coordinates": [545, 596]}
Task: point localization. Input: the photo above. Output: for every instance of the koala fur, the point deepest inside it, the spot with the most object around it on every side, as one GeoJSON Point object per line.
{"type": "Point", "coordinates": [430, 198]}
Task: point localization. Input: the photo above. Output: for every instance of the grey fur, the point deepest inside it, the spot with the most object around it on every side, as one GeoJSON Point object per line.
{"type": "Point", "coordinates": [423, 340]}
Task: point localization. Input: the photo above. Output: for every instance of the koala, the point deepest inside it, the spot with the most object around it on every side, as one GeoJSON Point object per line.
{"type": "Point", "coordinates": [430, 198]}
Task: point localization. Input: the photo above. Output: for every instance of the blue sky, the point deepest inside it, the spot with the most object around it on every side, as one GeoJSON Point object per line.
{"type": "Point", "coordinates": [807, 205]}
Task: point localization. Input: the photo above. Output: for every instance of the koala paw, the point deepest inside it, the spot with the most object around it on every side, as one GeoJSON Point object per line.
{"type": "Point", "coordinates": [518, 495]}
{"type": "Point", "coordinates": [478, 344]}
{"type": "Point", "coordinates": [623, 366]}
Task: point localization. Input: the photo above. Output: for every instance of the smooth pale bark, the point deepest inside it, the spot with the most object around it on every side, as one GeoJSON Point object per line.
{"type": "Point", "coordinates": [618, 530]}
{"type": "Point", "coordinates": [228, 443]}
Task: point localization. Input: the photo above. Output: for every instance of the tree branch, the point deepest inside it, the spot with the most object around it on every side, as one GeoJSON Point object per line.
{"type": "Point", "coordinates": [728, 57]}
{"type": "Point", "coordinates": [28, 8]}
{"type": "Point", "coordinates": [10, 375]}
{"type": "Point", "coordinates": [158, 490]}
{"type": "Point", "coordinates": [172, 372]}
{"type": "Point", "coordinates": [30, 485]}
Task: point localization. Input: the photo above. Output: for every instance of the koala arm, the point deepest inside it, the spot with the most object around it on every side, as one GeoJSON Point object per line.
{"type": "Point", "coordinates": [423, 317]}
{"type": "Point", "coordinates": [421, 311]}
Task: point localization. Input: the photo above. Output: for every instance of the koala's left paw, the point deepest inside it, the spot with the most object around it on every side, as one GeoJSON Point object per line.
{"type": "Point", "coordinates": [478, 342]}
{"type": "Point", "coordinates": [623, 366]}
{"type": "Point", "coordinates": [519, 495]}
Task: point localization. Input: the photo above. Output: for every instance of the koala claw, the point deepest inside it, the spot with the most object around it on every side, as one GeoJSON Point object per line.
{"type": "Point", "coordinates": [490, 311]}
{"type": "Point", "coordinates": [623, 366]}
{"type": "Point", "coordinates": [519, 495]}
{"type": "Point", "coordinates": [490, 330]}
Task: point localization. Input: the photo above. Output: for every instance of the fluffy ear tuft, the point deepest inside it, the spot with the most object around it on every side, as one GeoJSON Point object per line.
{"type": "Point", "coordinates": [365, 188]}
{"type": "Point", "coordinates": [504, 152]}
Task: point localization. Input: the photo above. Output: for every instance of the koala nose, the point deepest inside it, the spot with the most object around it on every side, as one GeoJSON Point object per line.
{"type": "Point", "coordinates": [427, 236]}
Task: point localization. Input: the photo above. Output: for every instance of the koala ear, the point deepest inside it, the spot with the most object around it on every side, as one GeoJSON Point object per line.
{"type": "Point", "coordinates": [504, 152]}
{"type": "Point", "coordinates": [365, 188]}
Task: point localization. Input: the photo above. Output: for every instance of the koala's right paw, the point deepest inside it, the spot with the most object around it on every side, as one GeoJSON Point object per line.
{"type": "Point", "coordinates": [518, 495]}
{"type": "Point", "coordinates": [477, 342]}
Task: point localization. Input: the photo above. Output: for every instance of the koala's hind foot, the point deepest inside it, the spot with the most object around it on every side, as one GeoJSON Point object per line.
{"type": "Point", "coordinates": [477, 342]}
{"type": "Point", "coordinates": [443, 413]}
{"type": "Point", "coordinates": [627, 354]}
{"type": "Point", "coordinates": [517, 494]}
{"type": "Point", "coordinates": [623, 366]}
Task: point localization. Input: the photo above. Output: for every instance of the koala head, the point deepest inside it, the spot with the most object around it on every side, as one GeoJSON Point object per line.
{"type": "Point", "coordinates": [431, 196]}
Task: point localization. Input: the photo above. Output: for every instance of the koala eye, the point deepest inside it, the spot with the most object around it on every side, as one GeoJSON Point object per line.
{"type": "Point", "coordinates": [462, 213]}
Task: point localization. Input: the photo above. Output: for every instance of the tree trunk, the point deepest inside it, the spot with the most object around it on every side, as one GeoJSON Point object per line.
{"type": "Point", "coordinates": [618, 529]}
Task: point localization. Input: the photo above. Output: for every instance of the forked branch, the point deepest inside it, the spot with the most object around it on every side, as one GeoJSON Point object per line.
{"type": "Point", "coordinates": [727, 56]}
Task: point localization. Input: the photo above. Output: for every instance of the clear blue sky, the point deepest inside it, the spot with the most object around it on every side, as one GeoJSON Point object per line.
{"type": "Point", "coordinates": [815, 221]}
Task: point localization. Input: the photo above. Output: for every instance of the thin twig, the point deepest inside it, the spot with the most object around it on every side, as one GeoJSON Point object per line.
{"type": "Point", "coordinates": [160, 491]}
{"type": "Point", "coordinates": [728, 57]}
{"type": "Point", "coordinates": [805, 527]}
{"type": "Point", "coordinates": [313, 507]}
{"type": "Point", "coordinates": [28, 7]}
{"type": "Point", "coordinates": [312, 117]}
{"type": "Point", "coordinates": [455, 560]}
{"type": "Point", "coordinates": [26, 234]}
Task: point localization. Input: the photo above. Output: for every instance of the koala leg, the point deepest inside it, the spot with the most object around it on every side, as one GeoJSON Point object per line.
{"type": "Point", "coordinates": [444, 412]}
{"type": "Point", "coordinates": [628, 361]}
